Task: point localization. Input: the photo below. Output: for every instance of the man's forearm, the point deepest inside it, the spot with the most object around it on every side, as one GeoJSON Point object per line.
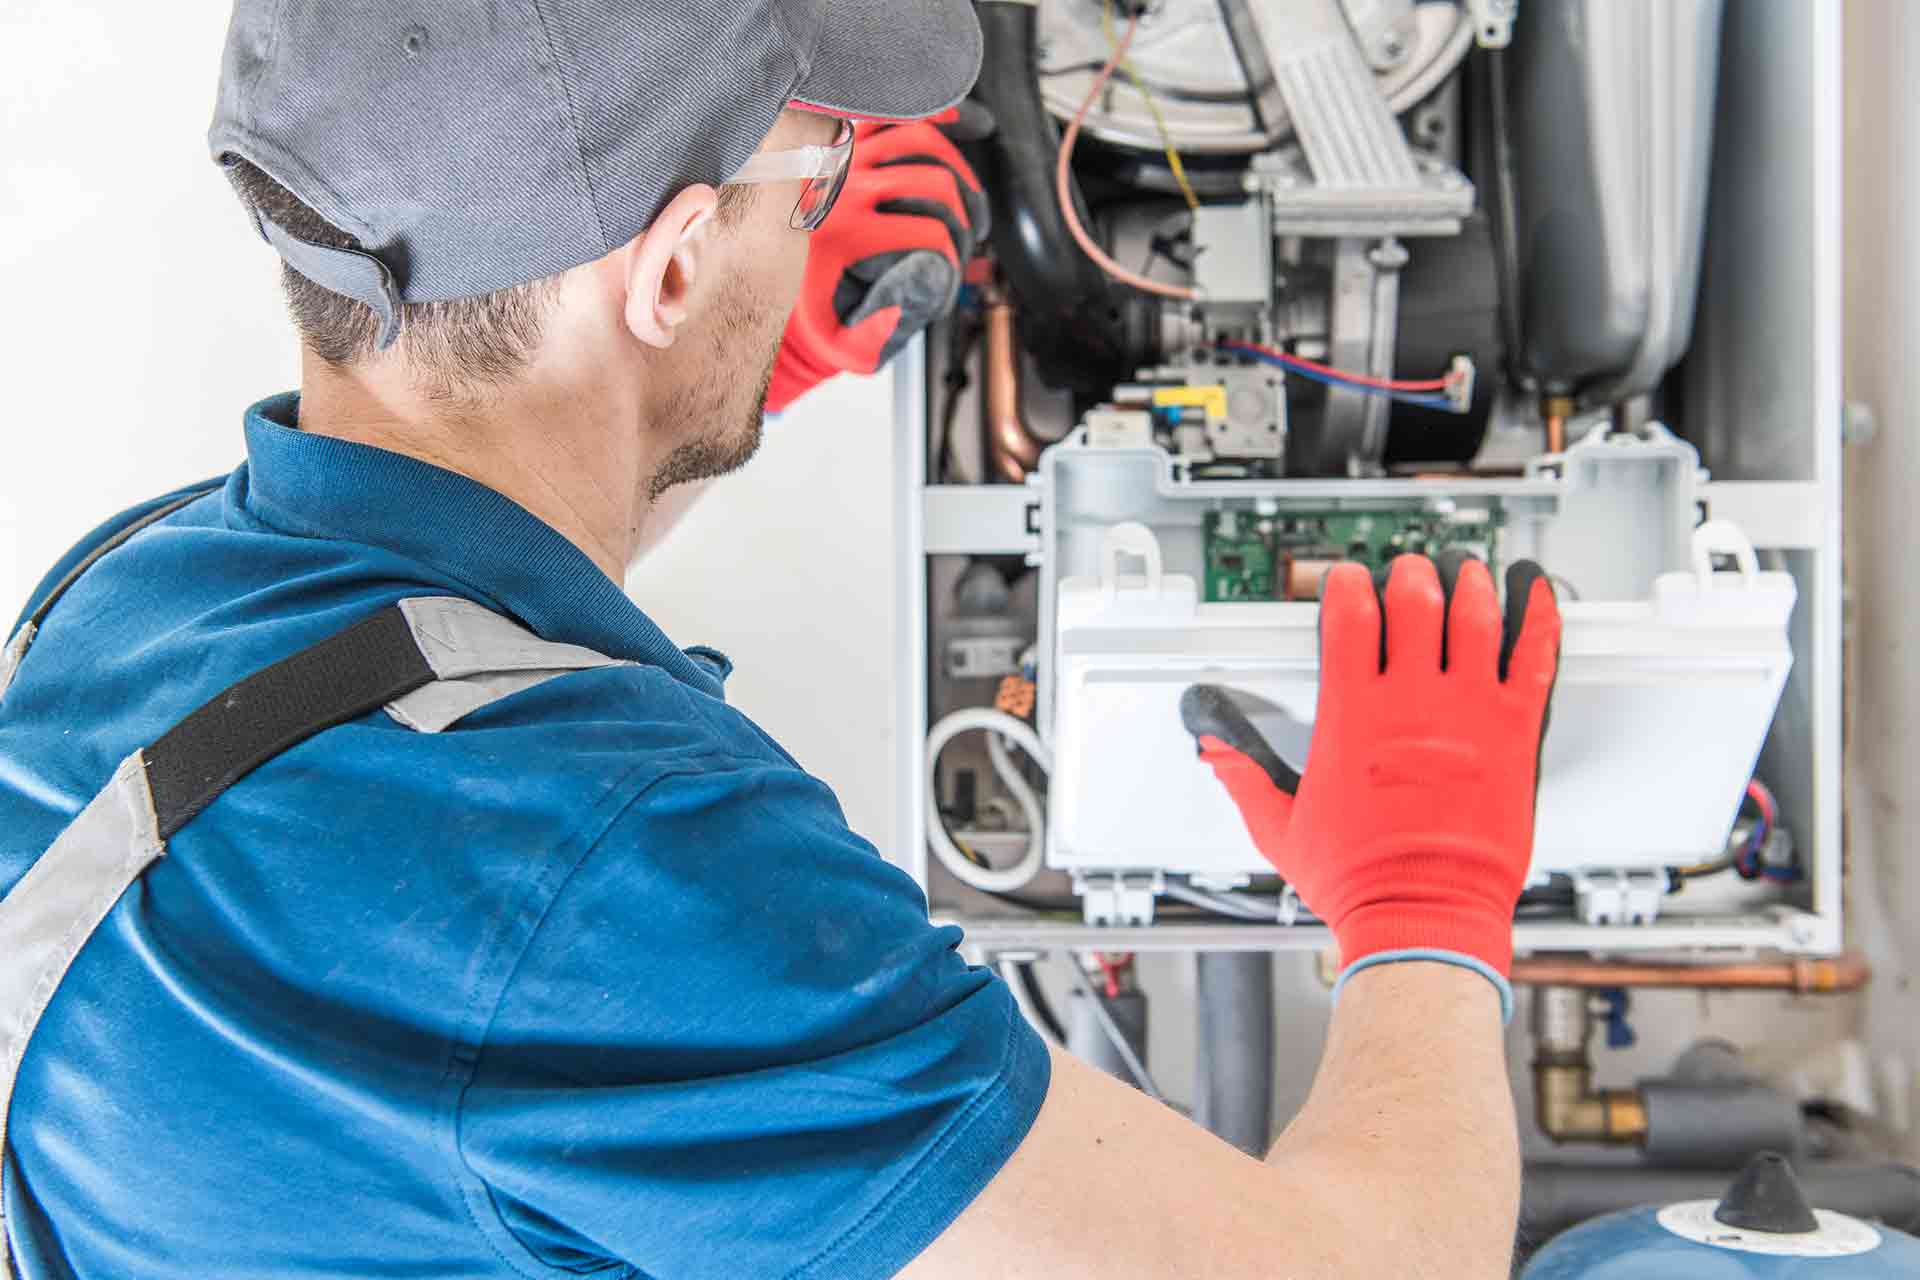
{"type": "Point", "coordinates": [1410, 1126]}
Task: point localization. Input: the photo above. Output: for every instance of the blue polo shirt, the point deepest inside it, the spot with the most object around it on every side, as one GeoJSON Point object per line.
{"type": "Point", "coordinates": [598, 982]}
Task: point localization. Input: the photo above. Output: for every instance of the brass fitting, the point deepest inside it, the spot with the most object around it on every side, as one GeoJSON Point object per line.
{"type": "Point", "coordinates": [1566, 1105]}
{"type": "Point", "coordinates": [1568, 1108]}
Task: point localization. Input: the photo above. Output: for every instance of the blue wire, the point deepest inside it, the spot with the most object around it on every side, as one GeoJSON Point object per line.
{"type": "Point", "coordinates": [1750, 865]}
{"type": "Point", "coordinates": [1430, 401]}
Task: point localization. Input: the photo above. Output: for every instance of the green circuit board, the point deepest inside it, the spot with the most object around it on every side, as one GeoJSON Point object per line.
{"type": "Point", "coordinates": [1249, 554]}
{"type": "Point", "coordinates": [1239, 558]}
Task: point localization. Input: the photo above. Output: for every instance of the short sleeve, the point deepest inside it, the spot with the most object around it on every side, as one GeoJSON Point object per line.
{"type": "Point", "coordinates": [735, 1046]}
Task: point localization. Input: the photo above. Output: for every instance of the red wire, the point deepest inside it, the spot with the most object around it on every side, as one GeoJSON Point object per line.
{"type": "Point", "coordinates": [1112, 972]}
{"type": "Point", "coordinates": [1063, 184]}
{"type": "Point", "coordinates": [1763, 800]}
{"type": "Point", "coordinates": [1365, 380]}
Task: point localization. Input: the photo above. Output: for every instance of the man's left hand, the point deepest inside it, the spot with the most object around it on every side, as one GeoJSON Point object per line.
{"type": "Point", "coordinates": [888, 260]}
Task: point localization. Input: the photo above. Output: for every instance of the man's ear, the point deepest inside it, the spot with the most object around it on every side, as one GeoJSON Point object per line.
{"type": "Point", "coordinates": [663, 263]}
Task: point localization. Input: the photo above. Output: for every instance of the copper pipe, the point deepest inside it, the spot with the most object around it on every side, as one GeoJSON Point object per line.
{"type": "Point", "coordinates": [1556, 410]}
{"type": "Point", "coordinates": [1846, 972]}
{"type": "Point", "coordinates": [1012, 450]}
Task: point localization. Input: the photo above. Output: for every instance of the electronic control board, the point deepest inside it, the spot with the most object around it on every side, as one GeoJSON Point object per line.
{"type": "Point", "coordinates": [1284, 555]}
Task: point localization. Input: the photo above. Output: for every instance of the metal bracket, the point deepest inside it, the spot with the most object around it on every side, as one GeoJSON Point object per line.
{"type": "Point", "coordinates": [983, 519]}
{"type": "Point", "coordinates": [1492, 22]}
{"type": "Point", "coordinates": [1618, 897]}
{"type": "Point", "coordinates": [1109, 899]}
{"type": "Point", "coordinates": [1353, 173]}
{"type": "Point", "coordinates": [1365, 313]}
{"type": "Point", "coordinates": [1380, 29]}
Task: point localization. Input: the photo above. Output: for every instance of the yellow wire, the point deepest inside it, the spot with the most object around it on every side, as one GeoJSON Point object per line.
{"type": "Point", "coordinates": [1153, 106]}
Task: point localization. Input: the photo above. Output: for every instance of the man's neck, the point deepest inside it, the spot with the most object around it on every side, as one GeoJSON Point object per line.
{"type": "Point", "coordinates": [575, 464]}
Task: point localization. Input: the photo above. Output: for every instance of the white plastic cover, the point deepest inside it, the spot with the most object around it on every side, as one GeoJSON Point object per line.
{"type": "Point", "coordinates": [1658, 716]}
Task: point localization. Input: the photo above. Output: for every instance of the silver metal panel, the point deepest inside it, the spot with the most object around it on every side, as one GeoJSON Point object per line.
{"type": "Point", "coordinates": [1350, 137]}
{"type": "Point", "coordinates": [1185, 51]}
{"type": "Point", "coordinates": [908, 848]}
{"type": "Point", "coordinates": [1612, 115]}
{"type": "Point", "coordinates": [977, 519]}
{"type": "Point", "coordinates": [1762, 389]}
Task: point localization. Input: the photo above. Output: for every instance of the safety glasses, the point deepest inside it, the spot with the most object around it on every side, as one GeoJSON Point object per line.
{"type": "Point", "coordinates": [823, 169]}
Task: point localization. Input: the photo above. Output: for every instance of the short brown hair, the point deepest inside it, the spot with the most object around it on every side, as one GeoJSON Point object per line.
{"type": "Point", "coordinates": [483, 339]}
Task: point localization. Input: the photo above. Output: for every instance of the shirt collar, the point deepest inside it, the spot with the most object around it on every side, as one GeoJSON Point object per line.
{"type": "Point", "coordinates": [504, 556]}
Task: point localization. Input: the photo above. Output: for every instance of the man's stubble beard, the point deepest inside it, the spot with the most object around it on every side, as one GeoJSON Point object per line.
{"type": "Point", "coordinates": [721, 452]}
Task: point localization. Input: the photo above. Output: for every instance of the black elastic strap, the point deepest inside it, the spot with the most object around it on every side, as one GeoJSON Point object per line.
{"type": "Point", "coordinates": [341, 678]}
{"type": "Point", "coordinates": [159, 513]}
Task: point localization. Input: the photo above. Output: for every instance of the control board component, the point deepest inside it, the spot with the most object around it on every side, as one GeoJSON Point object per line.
{"type": "Point", "coordinates": [1284, 554]}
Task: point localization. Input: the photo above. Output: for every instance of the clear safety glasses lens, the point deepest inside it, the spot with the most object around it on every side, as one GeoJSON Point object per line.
{"type": "Point", "coordinates": [818, 196]}
{"type": "Point", "coordinates": [821, 170]}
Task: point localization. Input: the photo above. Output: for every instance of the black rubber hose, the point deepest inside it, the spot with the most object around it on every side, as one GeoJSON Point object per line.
{"type": "Point", "coordinates": [1071, 316]}
{"type": "Point", "coordinates": [1504, 212]}
{"type": "Point", "coordinates": [1037, 1001]}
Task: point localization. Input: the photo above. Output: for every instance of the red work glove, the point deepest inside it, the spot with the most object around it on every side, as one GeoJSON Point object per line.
{"type": "Point", "coordinates": [888, 259]}
{"type": "Point", "coordinates": [1411, 829]}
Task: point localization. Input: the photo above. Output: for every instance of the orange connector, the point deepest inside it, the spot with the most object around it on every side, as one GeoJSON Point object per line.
{"type": "Point", "coordinates": [1015, 697]}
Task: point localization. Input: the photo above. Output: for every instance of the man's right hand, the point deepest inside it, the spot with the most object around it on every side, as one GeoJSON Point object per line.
{"type": "Point", "coordinates": [1411, 829]}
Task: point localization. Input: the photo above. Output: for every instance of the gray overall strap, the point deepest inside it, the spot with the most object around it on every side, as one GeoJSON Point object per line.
{"type": "Point", "coordinates": [428, 661]}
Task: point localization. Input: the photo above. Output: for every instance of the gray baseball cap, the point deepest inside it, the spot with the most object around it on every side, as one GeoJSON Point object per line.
{"type": "Point", "coordinates": [475, 145]}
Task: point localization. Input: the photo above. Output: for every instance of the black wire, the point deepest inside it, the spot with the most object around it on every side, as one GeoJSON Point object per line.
{"type": "Point", "coordinates": [1067, 69]}
{"type": "Point", "coordinates": [1557, 892]}
{"type": "Point", "coordinates": [1678, 876]}
{"type": "Point", "coordinates": [1162, 245]}
{"type": "Point", "coordinates": [1033, 902]}
{"type": "Point", "coordinates": [1505, 221]}
{"type": "Point", "coordinates": [1037, 1001]}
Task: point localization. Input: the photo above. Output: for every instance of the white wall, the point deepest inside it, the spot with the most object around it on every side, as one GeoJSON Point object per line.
{"type": "Point", "coordinates": [788, 569]}
{"type": "Point", "coordinates": [141, 316]}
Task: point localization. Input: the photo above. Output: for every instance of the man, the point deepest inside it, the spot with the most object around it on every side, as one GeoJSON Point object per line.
{"type": "Point", "coordinates": [554, 964]}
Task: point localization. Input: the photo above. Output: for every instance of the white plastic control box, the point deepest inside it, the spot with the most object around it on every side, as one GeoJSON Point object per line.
{"type": "Point", "coordinates": [1659, 712]}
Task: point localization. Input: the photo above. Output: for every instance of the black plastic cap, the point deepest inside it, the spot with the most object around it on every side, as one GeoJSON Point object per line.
{"type": "Point", "coordinates": [1767, 1197]}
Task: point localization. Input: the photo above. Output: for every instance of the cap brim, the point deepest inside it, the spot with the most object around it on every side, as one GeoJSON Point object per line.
{"type": "Point", "coordinates": [893, 59]}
